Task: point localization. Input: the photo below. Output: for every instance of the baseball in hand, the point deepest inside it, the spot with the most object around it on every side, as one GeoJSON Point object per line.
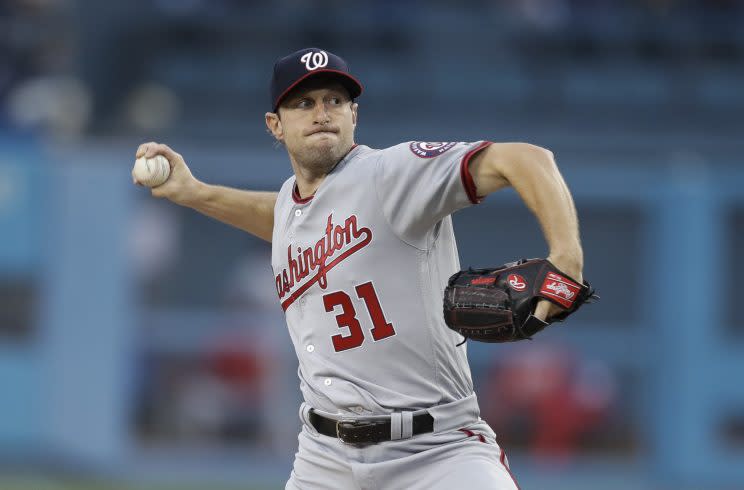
{"type": "Point", "coordinates": [151, 172]}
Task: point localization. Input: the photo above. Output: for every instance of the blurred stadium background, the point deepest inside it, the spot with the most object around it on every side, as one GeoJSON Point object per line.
{"type": "Point", "coordinates": [141, 345]}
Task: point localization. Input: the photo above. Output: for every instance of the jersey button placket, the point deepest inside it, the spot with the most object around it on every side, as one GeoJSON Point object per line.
{"type": "Point", "coordinates": [291, 235]}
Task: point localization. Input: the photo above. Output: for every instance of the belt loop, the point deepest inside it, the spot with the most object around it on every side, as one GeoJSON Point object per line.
{"type": "Point", "coordinates": [407, 425]}
{"type": "Point", "coordinates": [304, 412]}
{"type": "Point", "coordinates": [305, 417]}
{"type": "Point", "coordinates": [396, 428]}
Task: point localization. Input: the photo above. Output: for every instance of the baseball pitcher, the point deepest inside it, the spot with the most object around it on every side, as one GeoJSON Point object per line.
{"type": "Point", "coordinates": [362, 250]}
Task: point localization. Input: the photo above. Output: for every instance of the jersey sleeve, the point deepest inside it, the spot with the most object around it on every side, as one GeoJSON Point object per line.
{"type": "Point", "coordinates": [420, 183]}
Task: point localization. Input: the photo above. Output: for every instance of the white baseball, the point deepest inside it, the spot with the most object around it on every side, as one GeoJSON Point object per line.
{"type": "Point", "coordinates": [151, 172]}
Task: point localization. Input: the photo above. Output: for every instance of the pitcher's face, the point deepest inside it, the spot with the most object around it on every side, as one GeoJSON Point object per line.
{"type": "Point", "coordinates": [316, 123]}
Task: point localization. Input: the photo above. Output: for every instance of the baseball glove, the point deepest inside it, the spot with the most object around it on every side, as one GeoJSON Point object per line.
{"type": "Point", "coordinates": [496, 305]}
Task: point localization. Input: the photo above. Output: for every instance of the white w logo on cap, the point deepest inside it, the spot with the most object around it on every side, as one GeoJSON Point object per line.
{"type": "Point", "coordinates": [314, 60]}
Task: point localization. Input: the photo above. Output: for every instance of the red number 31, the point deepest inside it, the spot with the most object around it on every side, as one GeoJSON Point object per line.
{"type": "Point", "coordinates": [347, 318]}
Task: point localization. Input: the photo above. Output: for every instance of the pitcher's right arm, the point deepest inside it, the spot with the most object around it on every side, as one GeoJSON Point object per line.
{"type": "Point", "coordinates": [251, 211]}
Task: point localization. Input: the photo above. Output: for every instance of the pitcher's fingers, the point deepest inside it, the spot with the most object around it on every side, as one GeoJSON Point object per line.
{"type": "Point", "coordinates": [153, 149]}
{"type": "Point", "coordinates": [544, 310]}
{"type": "Point", "coordinates": [165, 150]}
{"type": "Point", "coordinates": [142, 149]}
{"type": "Point", "coordinates": [171, 155]}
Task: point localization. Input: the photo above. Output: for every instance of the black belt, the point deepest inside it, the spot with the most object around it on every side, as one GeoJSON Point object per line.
{"type": "Point", "coordinates": [365, 431]}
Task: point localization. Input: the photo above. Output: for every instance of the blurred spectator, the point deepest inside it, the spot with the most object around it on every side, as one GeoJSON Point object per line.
{"type": "Point", "coordinates": [221, 383]}
{"type": "Point", "coordinates": [37, 50]}
{"type": "Point", "coordinates": [154, 241]}
{"type": "Point", "coordinates": [217, 396]}
{"type": "Point", "coordinates": [550, 397]}
{"type": "Point", "coordinates": [60, 105]}
{"type": "Point", "coordinates": [242, 364]}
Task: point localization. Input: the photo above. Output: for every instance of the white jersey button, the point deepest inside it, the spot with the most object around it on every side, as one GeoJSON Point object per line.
{"type": "Point", "coordinates": [327, 381]}
{"type": "Point", "coordinates": [298, 212]}
{"type": "Point", "coordinates": [310, 348]}
{"type": "Point", "coordinates": [303, 300]}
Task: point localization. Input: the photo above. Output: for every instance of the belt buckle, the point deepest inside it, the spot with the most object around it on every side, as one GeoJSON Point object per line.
{"type": "Point", "coordinates": [338, 423]}
{"type": "Point", "coordinates": [343, 424]}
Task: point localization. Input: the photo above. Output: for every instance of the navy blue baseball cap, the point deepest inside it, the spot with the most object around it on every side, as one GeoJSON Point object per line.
{"type": "Point", "coordinates": [293, 69]}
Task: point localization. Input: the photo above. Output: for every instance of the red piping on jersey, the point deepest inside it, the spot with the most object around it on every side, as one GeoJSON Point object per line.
{"type": "Point", "coordinates": [296, 196]}
{"type": "Point", "coordinates": [467, 178]}
{"type": "Point", "coordinates": [296, 192]}
{"type": "Point", "coordinates": [470, 433]}
{"type": "Point", "coordinates": [502, 458]}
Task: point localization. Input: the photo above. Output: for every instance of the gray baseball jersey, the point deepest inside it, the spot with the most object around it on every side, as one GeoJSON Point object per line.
{"type": "Point", "coordinates": [360, 269]}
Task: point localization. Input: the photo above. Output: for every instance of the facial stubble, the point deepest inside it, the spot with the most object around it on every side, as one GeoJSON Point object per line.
{"type": "Point", "coordinates": [321, 159]}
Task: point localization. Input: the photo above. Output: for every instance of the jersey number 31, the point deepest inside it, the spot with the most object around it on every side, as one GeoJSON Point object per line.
{"type": "Point", "coordinates": [381, 329]}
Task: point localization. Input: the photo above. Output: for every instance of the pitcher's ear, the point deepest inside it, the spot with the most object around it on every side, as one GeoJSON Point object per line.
{"type": "Point", "coordinates": [354, 112]}
{"type": "Point", "coordinates": [274, 125]}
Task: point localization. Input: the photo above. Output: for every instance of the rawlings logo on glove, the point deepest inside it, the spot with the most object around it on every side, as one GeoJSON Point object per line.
{"type": "Point", "coordinates": [497, 305]}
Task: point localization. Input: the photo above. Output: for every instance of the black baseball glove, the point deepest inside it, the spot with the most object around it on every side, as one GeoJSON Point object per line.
{"type": "Point", "coordinates": [496, 305]}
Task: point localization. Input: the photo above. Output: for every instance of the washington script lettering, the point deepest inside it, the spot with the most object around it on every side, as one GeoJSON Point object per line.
{"type": "Point", "coordinates": [315, 259]}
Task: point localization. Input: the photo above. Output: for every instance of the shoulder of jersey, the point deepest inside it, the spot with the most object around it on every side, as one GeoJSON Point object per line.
{"type": "Point", "coordinates": [430, 149]}
{"type": "Point", "coordinates": [285, 191]}
{"type": "Point", "coordinates": [422, 149]}
{"type": "Point", "coordinates": [364, 153]}
{"type": "Point", "coordinates": [288, 183]}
